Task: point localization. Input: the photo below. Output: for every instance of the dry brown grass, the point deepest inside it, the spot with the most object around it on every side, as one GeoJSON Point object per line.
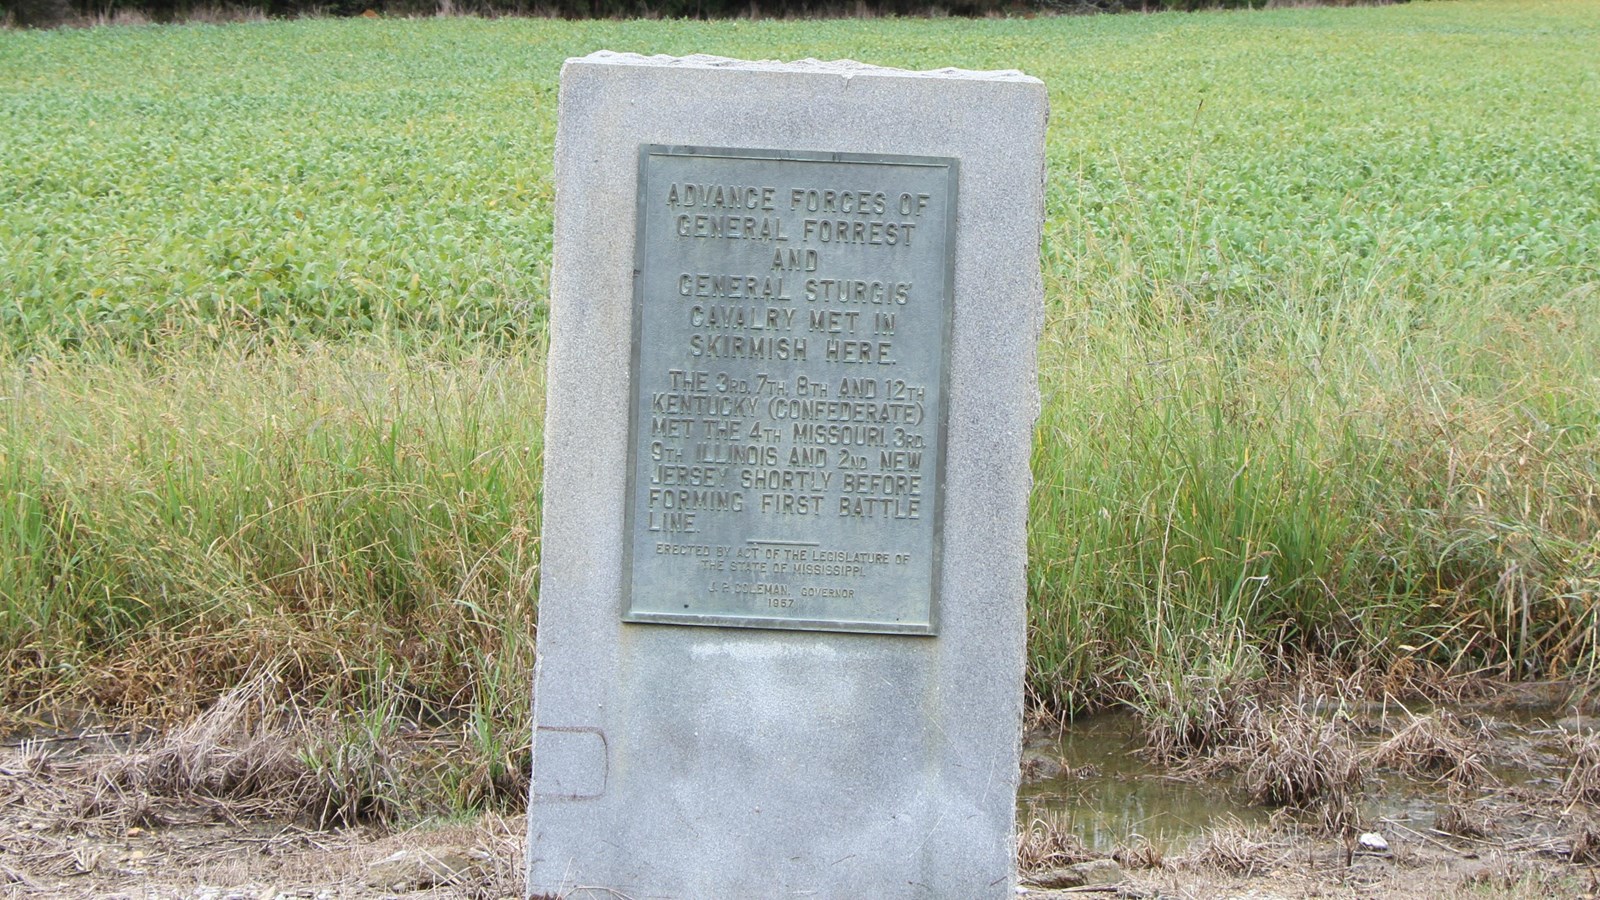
{"type": "Point", "coordinates": [244, 748]}
{"type": "Point", "coordinates": [50, 857]}
{"type": "Point", "coordinates": [1234, 849]}
{"type": "Point", "coordinates": [1439, 746]}
{"type": "Point", "coordinates": [222, 798]}
{"type": "Point", "coordinates": [1463, 820]}
{"type": "Point", "coordinates": [1286, 756]}
{"type": "Point", "coordinates": [1585, 843]}
{"type": "Point", "coordinates": [1139, 853]}
{"type": "Point", "coordinates": [1046, 842]}
{"type": "Point", "coordinates": [1293, 759]}
{"type": "Point", "coordinates": [502, 843]}
{"type": "Point", "coordinates": [1582, 784]}
{"type": "Point", "coordinates": [254, 754]}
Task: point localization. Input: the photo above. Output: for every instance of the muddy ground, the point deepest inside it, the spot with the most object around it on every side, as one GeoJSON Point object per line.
{"type": "Point", "coordinates": [1525, 829]}
{"type": "Point", "coordinates": [481, 859]}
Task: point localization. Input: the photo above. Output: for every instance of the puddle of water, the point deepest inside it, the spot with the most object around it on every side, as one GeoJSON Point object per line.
{"type": "Point", "coordinates": [1123, 798]}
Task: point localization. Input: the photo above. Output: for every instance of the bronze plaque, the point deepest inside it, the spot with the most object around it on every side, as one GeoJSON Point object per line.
{"type": "Point", "coordinates": [791, 335]}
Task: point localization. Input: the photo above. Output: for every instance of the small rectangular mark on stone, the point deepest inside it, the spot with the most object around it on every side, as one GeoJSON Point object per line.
{"type": "Point", "coordinates": [571, 763]}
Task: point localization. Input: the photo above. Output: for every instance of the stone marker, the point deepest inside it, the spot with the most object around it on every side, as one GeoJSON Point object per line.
{"type": "Point", "coordinates": [791, 399]}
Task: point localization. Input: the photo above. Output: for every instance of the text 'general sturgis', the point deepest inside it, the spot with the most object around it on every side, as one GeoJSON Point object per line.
{"type": "Point", "coordinates": [792, 319]}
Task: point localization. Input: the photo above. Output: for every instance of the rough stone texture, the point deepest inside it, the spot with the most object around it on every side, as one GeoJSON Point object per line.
{"type": "Point", "coordinates": [692, 762]}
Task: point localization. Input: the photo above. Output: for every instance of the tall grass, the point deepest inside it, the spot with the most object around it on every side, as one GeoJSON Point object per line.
{"type": "Point", "coordinates": [1364, 474]}
{"type": "Point", "coordinates": [351, 515]}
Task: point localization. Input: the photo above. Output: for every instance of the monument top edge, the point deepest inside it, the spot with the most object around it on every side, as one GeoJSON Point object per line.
{"type": "Point", "coordinates": [844, 68]}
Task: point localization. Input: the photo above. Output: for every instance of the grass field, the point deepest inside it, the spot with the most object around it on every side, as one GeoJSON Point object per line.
{"type": "Point", "coordinates": [1321, 370]}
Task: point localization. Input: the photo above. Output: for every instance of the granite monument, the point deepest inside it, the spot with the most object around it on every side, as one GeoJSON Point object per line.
{"type": "Point", "coordinates": [791, 397]}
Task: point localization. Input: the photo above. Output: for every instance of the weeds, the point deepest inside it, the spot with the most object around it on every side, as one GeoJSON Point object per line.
{"type": "Point", "coordinates": [352, 775]}
{"type": "Point", "coordinates": [1046, 842]}
{"type": "Point", "coordinates": [1438, 745]}
{"type": "Point", "coordinates": [1139, 853]}
{"type": "Point", "coordinates": [255, 753]}
{"type": "Point", "coordinates": [1296, 760]}
{"type": "Point", "coordinates": [361, 522]}
{"type": "Point", "coordinates": [1234, 849]}
{"type": "Point", "coordinates": [242, 750]}
{"type": "Point", "coordinates": [260, 752]}
{"type": "Point", "coordinates": [1284, 754]}
{"type": "Point", "coordinates": [1463, 820]}
{"type": "Point", "coordinates": [1585, 843]}
{"type": "Point", "coordinates": [1196, 694]}
{"type": "Point", "coordinates": [1582, 784]}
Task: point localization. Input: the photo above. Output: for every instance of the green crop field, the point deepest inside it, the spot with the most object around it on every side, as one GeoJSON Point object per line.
{"type": "Point", "coordinates": [1320, 372]}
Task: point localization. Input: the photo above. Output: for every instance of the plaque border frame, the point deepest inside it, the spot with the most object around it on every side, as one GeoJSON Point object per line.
{"type": "Point", "coordinates": [930, 628]}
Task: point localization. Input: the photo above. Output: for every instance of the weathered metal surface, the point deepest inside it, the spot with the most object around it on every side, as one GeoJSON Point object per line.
{"type": "Point", "coordinates": [790, 351]}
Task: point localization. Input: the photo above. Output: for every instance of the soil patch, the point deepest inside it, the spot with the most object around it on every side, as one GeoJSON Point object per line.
{"type": "Point", "coordinates": [1520, 821]}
